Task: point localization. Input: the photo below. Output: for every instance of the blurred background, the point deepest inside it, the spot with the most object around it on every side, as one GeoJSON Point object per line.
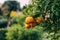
{"type": "Point", "coordinates": [22, 2]}
{"type": "Point", "coordinates": [30, 20]}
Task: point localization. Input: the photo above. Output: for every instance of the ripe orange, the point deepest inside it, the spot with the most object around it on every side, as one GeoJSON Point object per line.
{"type": "Point", "coordinates": [27, 26]}
{"type": "Point", "coordinates": [29, 19]}
{"type": "Point", "coordinates": [33, 24]}
{"type": "Point", "coordinates": [38, 19]}
{"type": "Point", "coordinates": [30, 25]}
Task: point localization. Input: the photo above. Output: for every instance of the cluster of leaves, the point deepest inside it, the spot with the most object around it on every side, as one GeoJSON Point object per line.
{"type": "Point", "coordinates": [19, 20]}
{"type": "Point", "coordinates": [16, 32]}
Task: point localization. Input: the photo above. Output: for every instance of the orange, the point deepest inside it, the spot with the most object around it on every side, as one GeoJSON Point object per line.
{"type": "Point", "coordinates": [29, 19]}
{"type": "Point", "coordinates": [27, 26]}
{"type": "Point", "coordinates": [38, 19]}
{"type": "Point", "coordinates": [33, 24]}
{"type": "Point", "coordinates": [30, 25]}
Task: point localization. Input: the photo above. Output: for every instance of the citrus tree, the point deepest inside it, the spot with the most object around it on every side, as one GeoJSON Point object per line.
{"type": "Point", "coordinates": [49, 11]}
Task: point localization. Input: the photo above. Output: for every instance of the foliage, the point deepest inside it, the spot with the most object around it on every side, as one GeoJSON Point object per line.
{"type": "Point", "coordinates": [49, 10]}
{"type": "Point", "coordinates": [20, 20]}
{"type": "Point", "coordinates": [17, 32]}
